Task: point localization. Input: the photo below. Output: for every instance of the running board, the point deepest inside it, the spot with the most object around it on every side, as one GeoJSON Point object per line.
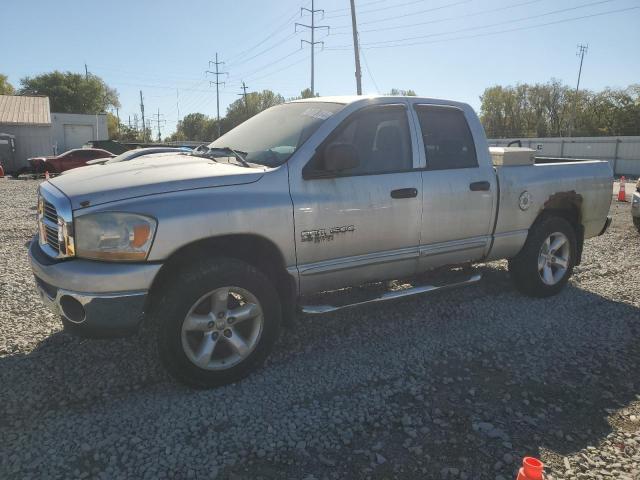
{"type": "Point", "coordinates": [409, 292]}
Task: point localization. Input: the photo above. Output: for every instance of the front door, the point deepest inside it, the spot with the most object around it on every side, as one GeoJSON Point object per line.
{"type": "Point", "coordinates": [360, 224]}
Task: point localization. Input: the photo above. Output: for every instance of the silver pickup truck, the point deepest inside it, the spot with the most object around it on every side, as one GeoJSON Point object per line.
{"type": "Point", "coordinates": [214, 250]}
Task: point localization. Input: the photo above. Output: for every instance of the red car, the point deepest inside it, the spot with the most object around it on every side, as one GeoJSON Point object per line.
{"type": "Point", "coordinates": [77, 157]}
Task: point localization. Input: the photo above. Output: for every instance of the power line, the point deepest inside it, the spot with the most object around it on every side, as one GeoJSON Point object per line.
{"type": "Point", "coordinates": [234, 59]}
{"type": "Point", "coordinates": [217, 83]}
{"type": "Point", "coordinates": [312, 28]}
{"type": "Point", "coordinates": [246, 75]}
{"type": "Point", "coordinates": [440, 20]}
{"type": "Point", "coordinates": [362, 5]}
{"type": "Point", "coordinates": [512, 20]}
{"type": "Point", "coordinates": [398, 5]}
{"type": "Point", "coordinates": [366, 64]}
{"type": "Point", "coordinates": [419, 12]}
{"type": "Point", "coordinates": [485, 34]}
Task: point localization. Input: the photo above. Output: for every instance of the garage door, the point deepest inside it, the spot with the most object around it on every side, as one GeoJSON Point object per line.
{"type": "Point", "coordinates": [77, 135]}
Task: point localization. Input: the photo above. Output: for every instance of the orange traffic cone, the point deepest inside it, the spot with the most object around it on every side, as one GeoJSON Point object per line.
{"type": "Point", "coordinates": [622, 194]}
{"type": "Point", "coordinates": [532, 469]}
{"type": "Point", "coordinates": [1, 172]}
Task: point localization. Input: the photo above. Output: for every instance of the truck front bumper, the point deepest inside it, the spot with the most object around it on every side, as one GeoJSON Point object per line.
{"type": "Point", "coordinates": [100, 297]}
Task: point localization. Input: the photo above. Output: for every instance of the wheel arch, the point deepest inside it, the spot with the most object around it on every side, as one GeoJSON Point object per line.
{"type": "Point", "coordinates": [254, 249]}
{"type": "Point", "coordinates": [566, 205]}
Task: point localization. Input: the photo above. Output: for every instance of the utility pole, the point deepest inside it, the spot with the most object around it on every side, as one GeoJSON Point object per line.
{"type": "Point", "coordinates": [129, 121]}
{"type": "Point", "coordinates": [217, 83]}
{"type": "Point", "coordinates": [356, 49]}
{"type": "Point", "coordinates": [313, 27]}
{"type": "Point", "coordinates": [244, 95]}
{"type": "Point", "coordinates": [118, 117]}
{"type": "Point", "coordinates": [144, 129]}
{"type": "Point", "coordinates": [86, 71]}
{"type": "Point", "coordinates": [582, 50]}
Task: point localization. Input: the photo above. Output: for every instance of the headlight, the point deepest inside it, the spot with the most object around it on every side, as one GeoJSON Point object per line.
{"type": "Point", "coordinates": [114, 236]}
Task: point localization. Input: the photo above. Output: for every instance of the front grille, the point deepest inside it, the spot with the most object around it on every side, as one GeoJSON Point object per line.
{"type": "Point", "coordinates": [54, 222]}
{"type": "Point", "coordinates": [50, 212]}
{"type": "Point", "coordinates": [50, 221]}
{"type": "Point", "coordinates": [52, 237]}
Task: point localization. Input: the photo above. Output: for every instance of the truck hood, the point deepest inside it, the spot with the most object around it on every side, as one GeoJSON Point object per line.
{"type": "Point", "coordinates": [148, 175]}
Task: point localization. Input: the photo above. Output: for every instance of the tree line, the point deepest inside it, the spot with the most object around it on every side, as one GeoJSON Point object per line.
{"type": "Point", "coordinates": [550, 109]}
{"type": "Point", "coordinates": [553, 109]}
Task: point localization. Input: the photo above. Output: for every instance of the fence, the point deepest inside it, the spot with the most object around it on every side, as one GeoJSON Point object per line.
{"type": "Point", "coordinates": [623, 153]}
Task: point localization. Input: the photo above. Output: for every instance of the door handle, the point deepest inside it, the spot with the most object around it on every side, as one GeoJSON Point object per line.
{"type": "Point", "coordinates": [480, 186]}
{"type": "Point", "coordinates": [404, 193]}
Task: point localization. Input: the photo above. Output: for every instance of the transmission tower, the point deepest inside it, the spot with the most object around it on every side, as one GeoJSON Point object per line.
{"type": "Point", "coordinates": [244, 96]}
{"type": "Point", "coordinates": [217, 83]}
{"type": "Point", "coordinates": [313, 27]}
{"type": "Point", "coordinates": [158, 123]}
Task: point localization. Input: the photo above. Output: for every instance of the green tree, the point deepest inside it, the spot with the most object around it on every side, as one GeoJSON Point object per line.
{"type": "Point", "coordinates": [395, 92]}
{"type": "Point", "coordinates": [5, 87]}
{"type": "Point", "coordinates": [71, 92]}
{"type": "Point", "coordinates": [548, 109]}
{"type": "Point", "coordinates": [195, 126]}
{"type": "Point", "coordinates": [256, 102]}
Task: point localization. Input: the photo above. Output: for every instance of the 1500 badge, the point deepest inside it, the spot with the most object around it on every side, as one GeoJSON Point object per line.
{"type": "Point", "coordinates": [325, 235]}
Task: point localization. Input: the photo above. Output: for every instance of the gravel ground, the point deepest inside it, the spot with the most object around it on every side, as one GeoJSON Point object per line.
{"type": "Point", "coordinates": [455, 385]}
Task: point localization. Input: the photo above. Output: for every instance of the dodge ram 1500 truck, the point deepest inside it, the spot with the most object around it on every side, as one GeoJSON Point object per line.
{"type": "Point", "coordinates": [213, 250]}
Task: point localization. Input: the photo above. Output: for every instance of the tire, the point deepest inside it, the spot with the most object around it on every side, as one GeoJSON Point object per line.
{"type": "Point", "coordinates": [530, 268]}
{"type": "Point", "coordinates": [636, 222]}
{"type": "Point", "coordinates": [240, 345]}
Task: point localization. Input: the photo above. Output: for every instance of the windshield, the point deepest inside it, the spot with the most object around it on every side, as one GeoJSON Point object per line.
{"type": "Point", "coordinates": [273, 135]}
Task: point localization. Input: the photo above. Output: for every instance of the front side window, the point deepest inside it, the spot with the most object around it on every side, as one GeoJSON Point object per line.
{"type": "Point", "coordinates": [448, 143]}
{"type": "Point", "coordinates": [272, 136]}
{"type": "Point", "coordinates": [381, 140]}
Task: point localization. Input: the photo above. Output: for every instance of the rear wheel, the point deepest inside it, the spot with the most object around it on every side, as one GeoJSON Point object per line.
{"type": "Point", "coordinates": [636, 222]}
{"type": "Point", "coordinates": [545, 263]}
{"type": "Point", "coordinates": [217, 322]}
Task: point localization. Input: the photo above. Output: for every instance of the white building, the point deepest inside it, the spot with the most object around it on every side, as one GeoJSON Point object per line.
{"type": "Point", "coordinates": [39, 132]}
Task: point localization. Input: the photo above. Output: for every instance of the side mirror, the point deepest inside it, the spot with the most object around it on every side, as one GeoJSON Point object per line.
{"type": "Point", "coordinates": [340, 156]}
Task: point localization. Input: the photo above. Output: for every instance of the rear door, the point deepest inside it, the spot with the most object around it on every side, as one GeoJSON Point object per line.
{"type": "Point", "coordinates": [458, 192]}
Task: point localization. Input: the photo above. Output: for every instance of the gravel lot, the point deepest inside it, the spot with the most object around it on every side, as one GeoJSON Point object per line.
{"type": "Point", "coordinates": [456, 385]}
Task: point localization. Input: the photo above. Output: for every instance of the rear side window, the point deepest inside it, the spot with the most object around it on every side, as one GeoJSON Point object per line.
{"type": "Point", "coordinates": [447, 139]}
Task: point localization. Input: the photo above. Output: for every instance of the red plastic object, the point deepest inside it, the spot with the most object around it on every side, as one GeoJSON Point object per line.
{"type": "Point", "coordinates": [532, 469]}
{"type": "Point", "coordinates": [1, 171]}
{"type": "Point", "coordinates": [622, 194]}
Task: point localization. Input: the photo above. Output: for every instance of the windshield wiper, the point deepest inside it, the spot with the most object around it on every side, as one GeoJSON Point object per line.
{"type": "Point", "coordinates": [236, 153]}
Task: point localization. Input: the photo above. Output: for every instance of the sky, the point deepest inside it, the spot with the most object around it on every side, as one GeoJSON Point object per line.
{"type": "Point", "coordinates": [451, 49]}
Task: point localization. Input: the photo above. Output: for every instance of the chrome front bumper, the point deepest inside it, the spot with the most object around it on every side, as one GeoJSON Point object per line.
{"type": "Point", "coordinates": [101, 297]}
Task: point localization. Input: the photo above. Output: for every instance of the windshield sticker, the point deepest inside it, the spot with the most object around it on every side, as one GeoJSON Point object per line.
{"type": "Point", "coordinates": [317, 113]}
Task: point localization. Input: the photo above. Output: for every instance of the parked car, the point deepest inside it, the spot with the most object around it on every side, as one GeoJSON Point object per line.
{"type": "Point", "coordinates": [138, 152]}
{"type": "Point", "coordinates": [78, 157]}
{"type": "Point", "coordinates": [635, 206]}
{"type": "Point", "coordinates": [216, 251]}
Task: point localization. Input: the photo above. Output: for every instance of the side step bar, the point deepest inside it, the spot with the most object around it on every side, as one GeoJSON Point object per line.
{"type": "Point", "coordinates": [409, 292]}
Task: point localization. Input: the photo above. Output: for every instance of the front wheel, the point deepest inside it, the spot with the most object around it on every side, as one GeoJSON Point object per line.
{"type": "Point", "coordinates": [545, 263]}
{"type": "Point", "coordinates": [217, 322]}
